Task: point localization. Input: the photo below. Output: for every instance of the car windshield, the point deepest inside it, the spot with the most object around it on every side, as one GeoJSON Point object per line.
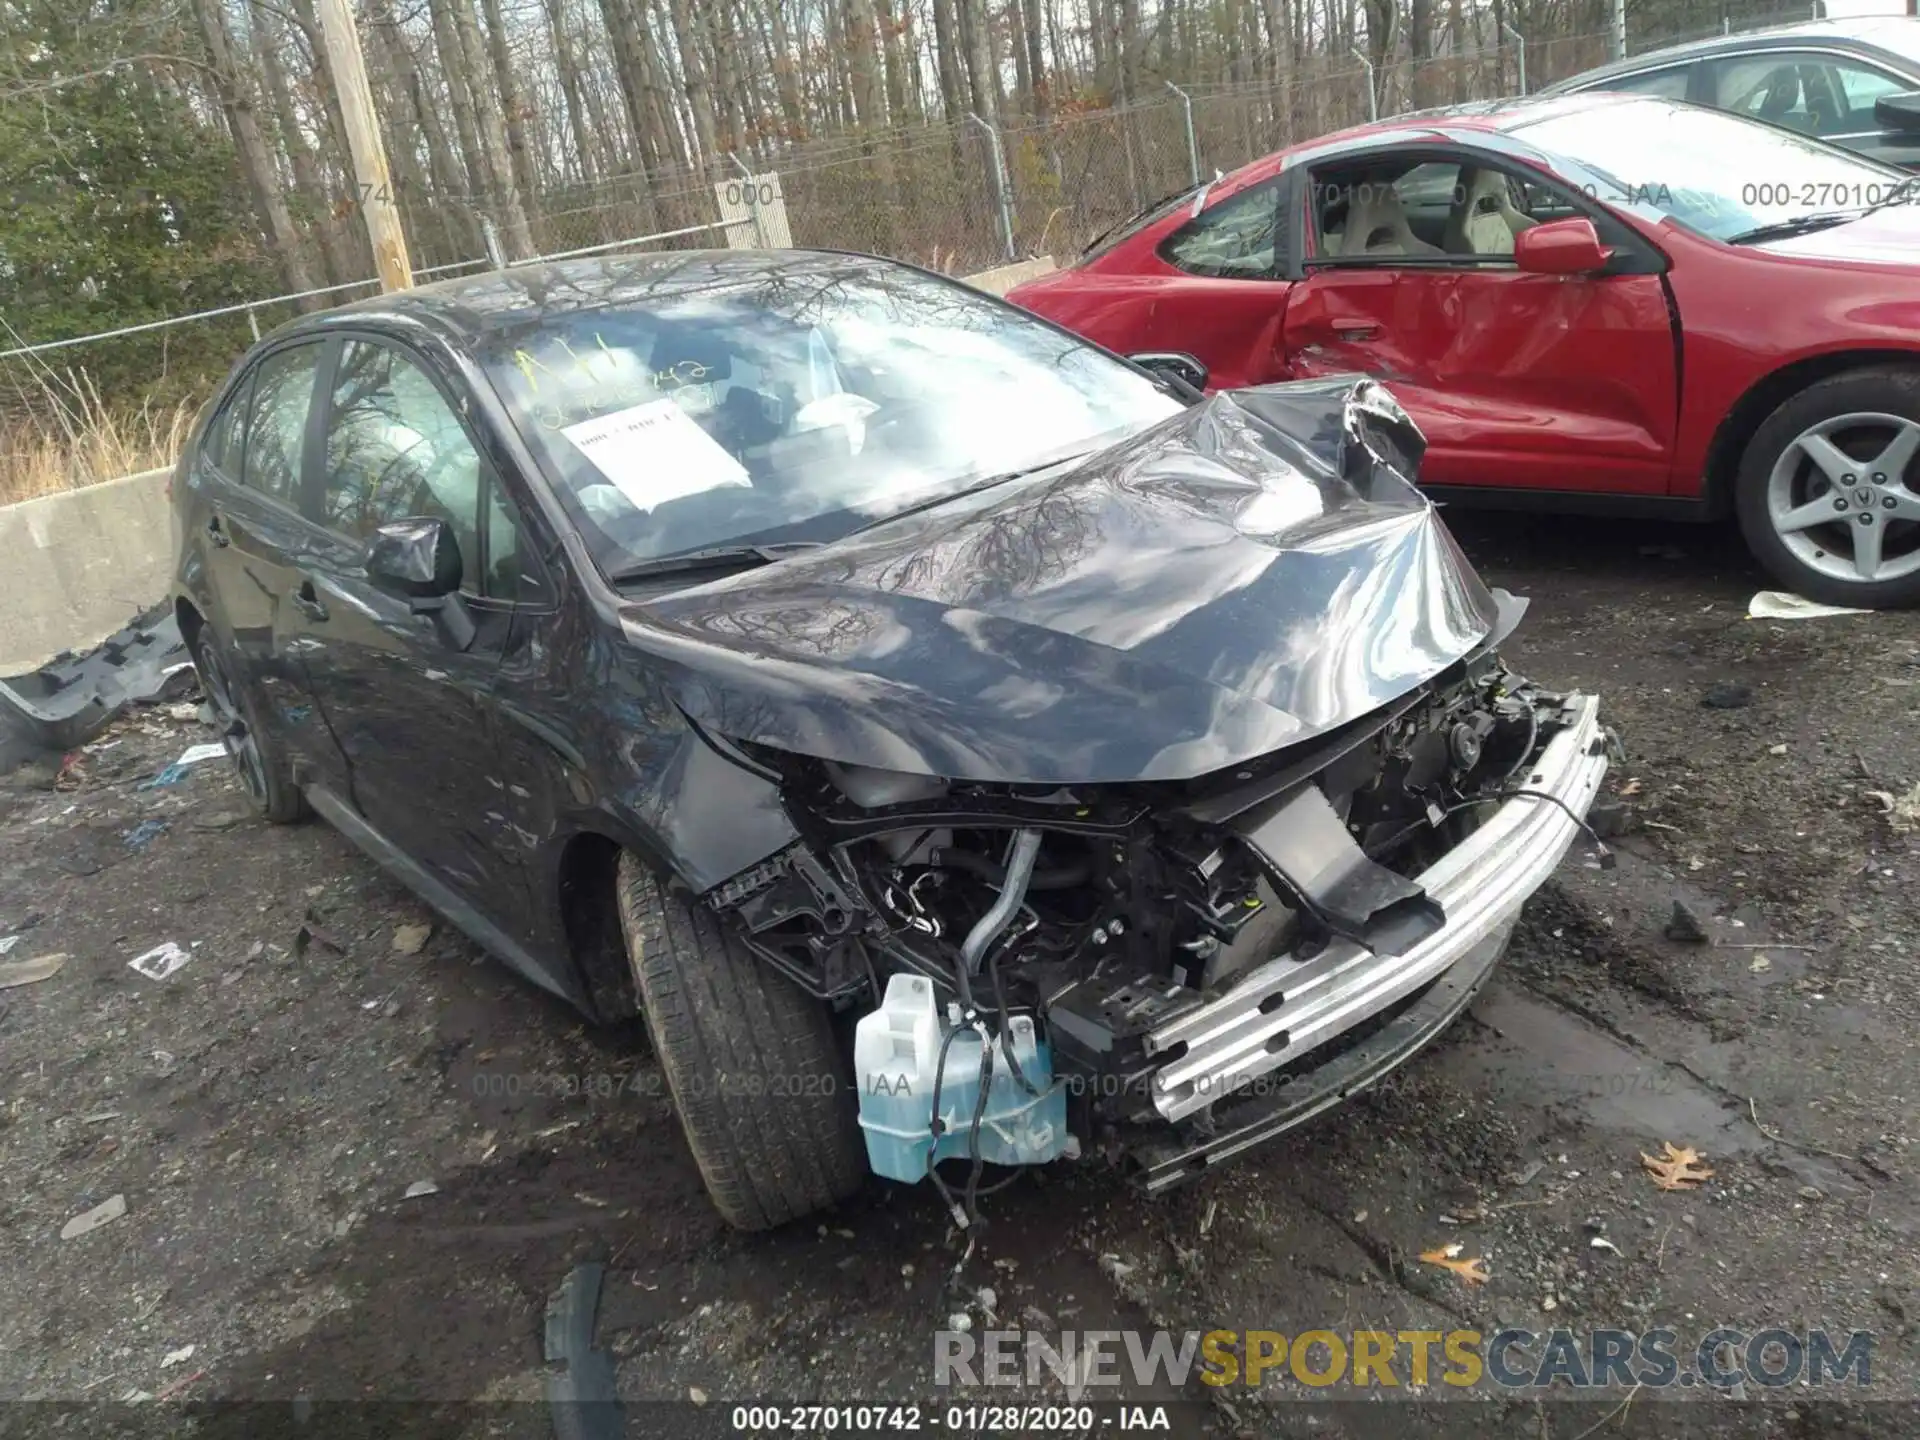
{"type": "Point", "coordinates": [798, 406]}
{"type": "Point", "coordinates": [1720, 174]}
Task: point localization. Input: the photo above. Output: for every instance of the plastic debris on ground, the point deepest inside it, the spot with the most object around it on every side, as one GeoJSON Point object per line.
{"type": "Point", "coordinates": [161, 961]}
{"type": "Point", "coordinates": [112, 1208]}
{"type": "Point", "coordinates": [1785, 605]}
{"type": "Point", "coordinates": [70, 699]}
{"type": "Point", "coordinates": [144, 834]}
{"type": "Point", "coordinates": [7, 942]}
{"type": "Point", "coordinates": [177, 771]}
{"type": "Point", "coordinates": [30, 972]}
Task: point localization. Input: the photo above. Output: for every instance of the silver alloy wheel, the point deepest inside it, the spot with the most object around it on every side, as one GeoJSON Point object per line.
{"type": "Point", "coordinates": [1839, 501]}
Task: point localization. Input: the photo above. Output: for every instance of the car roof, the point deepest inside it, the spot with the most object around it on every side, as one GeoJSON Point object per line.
{"type": "Point", "coordinates": [493, 301]}
{"type": "Point", "coordinates": [1468, 121]}
{"type": "Point", "coordinates": [1897, 36]}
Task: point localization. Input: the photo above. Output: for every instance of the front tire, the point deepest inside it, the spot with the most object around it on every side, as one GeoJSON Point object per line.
{"type": "Point", "coordinates": [1825, 491]}
{"type": "Point", "coordinates": [759, 1082]}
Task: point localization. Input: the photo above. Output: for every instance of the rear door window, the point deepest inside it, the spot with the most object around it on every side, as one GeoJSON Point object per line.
{"type": "Point", "coordinates": [277, 427]}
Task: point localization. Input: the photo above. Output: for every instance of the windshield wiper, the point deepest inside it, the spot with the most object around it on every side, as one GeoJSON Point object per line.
{"type": "Point", "coordinates": [1799, 225]}
{"type": "Point", "coordinates": [718, 557]}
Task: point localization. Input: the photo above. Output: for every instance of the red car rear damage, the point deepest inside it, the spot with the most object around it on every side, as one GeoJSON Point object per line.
{"type": "Point", "coordinates": [1693, 314]}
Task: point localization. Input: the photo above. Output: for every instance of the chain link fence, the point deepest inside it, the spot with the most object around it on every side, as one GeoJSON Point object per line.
{"type": "Point", "coordinates": [956, 197]}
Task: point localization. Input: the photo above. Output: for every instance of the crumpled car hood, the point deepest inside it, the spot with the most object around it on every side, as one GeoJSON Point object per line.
{"type": "Point", "coordinates": [1235, 579]}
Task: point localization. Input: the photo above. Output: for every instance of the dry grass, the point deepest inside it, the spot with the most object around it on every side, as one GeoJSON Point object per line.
{"type": "Point", "coordinates": [65, 437]}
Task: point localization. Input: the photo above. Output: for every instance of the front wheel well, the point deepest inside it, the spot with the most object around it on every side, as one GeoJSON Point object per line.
{"type": "Point", "coordinates": [590, 909]}
{"type": "Point", "coordinates": [1765, 396]}
{"type": "Point", "coordinates": [188, 620]}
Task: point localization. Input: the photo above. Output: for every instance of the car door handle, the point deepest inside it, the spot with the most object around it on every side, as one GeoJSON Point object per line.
{"type": "Point", "coordinates": [216, 534]}
{"type": "Point", "coordinates": [1355, 329]}
{"type": "Point", "coordinates": [307, 601]}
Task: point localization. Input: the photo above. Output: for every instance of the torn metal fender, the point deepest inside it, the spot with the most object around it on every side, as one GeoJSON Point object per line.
{"type": "Point", "coordinates": [1245, 575]}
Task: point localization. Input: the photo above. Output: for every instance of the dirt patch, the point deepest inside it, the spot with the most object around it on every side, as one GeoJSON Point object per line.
{"type": "Point", "coordinates": [265, 1110]}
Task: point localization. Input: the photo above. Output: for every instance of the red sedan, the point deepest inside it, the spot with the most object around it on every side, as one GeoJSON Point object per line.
{"type": "Point", "coordinates": [1602, 303]}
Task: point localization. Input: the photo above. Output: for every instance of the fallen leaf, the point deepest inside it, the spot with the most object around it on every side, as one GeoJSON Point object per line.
{"type": "Point", "coordinates": [1632, 787]}
{"type": "Point", "coordinates": [1447, 1258]}
{"type": "Point", "coordinates": [1760, 964]}
{"type": "Point", "coordinates": [420, 1188]}
{"type": "Point", "coordinates": [1600, 1242]}
{"type": "Point", "coordinates": [410, 939]}
{"type": "Point", "coordinates": [1679, 1169]}
{"type": "Point", "coordinates": [176, 1357]}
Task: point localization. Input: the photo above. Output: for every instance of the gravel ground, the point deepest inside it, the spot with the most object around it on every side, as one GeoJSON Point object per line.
{"type": "Point", "coordinates": [265, 1110]}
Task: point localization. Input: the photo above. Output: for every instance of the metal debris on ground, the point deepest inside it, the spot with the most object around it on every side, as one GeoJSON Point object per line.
{"type": "Point", "coordinates": [30, 972]}
{"type": "Point", "coordinates": [410, 939]}
{"type": "Point", "coordinates": [112, 1208]}
{"type": "Point", "coordinates": [161, 961]}
{"type": "Point", "coordinates": [1447, 1257]}
{"type": "Point", "coordinates": [1785, 605]}
{"type": "Point", "coordinates": [1679, 1168]}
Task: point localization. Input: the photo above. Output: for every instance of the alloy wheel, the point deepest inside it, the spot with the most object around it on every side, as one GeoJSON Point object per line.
{"type": "Point", "coordinates": [1839, 500]}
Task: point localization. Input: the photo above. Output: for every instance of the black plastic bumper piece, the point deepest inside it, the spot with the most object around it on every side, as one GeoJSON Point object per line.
{"type": "Point", "coordinates": [1284, 1100]}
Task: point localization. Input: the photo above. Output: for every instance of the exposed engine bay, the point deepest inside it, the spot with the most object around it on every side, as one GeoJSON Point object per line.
{"type": "Point", "coordinates": [1067, 927]}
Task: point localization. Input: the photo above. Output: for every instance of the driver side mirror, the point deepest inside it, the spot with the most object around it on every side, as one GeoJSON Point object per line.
{"type": "Point", "coordinates": [1898, 112]}
{"type": "Point", "coordinates": [1561, 247]}
{"type": "Point", "coordinates": [418, 560]}
{"type": "Point", "coordinates": [1182, 369]}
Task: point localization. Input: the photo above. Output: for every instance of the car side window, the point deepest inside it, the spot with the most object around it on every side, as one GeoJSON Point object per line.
{"type": "Point", "coordinates": [224, 441]}
{"type": "Point", "coordinates": [1392, 208]}
{"type": "Point", "coordinates": [1815, 94]}
{"type": "Point", "coordinates": [395, 450]}
{"type": "Point", "coordinates": [512, 573]}
{"type": "Point", "coordinates": [277, 421]}
{"type": "Point", "coordinates": [1238, 239]}
{"type": "Point", "coordinates": [1669, 83]}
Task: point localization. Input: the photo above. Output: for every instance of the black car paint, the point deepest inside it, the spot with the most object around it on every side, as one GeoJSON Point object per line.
{"type": "Point", "coordinates": [479, 776]}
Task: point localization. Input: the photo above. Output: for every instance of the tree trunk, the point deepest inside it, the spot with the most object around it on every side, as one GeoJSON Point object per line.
{"type": "Point", "coordinates": [256, 162]}
{"type": "Point", "coordinates": [502, 193]}
{"type": "Point", "coordinates": [693, 79]}
{"type": "Point", "coordinates": [892, 47]}
{"type": "Point", "coordinates": [314, 194]}
{"type": "Point", "coordinates": [568, 64]}
{"type": "Point", "coordinates": [446, 42]}
{"type": "Point", "coordinates": [1031, 27]}
{"type": "Point", "coordinates": [513, 103]}
{"type": "Point", "coordinates": [785, 80]}
{"type": "Point", "coordinates": [946, 45]}
{"type": "Point", "coordinates": [982, 86]}
{"type": "Point", "coordinates": [869, 102]}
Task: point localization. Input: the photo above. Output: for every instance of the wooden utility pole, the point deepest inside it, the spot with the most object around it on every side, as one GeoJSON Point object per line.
{"type": "Point", "coordinates": [363, 141]}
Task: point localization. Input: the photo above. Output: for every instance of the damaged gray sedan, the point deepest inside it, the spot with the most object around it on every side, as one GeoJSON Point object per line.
{"type": "Point", "coordinates": [963, 747]}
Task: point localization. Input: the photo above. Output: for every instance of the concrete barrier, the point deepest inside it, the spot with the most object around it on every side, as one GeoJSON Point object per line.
{"type": "Point", "coordinates": [1003, 278]}
{"type": "Point", "coordinates": [74, 566]}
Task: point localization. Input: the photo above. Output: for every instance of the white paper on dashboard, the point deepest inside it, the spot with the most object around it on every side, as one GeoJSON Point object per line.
{"type": "Point", "coordinates": [654, 453]}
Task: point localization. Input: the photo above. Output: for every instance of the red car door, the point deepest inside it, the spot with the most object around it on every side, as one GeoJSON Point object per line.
{"type": "Point", "coordinates": [1550, 382]}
